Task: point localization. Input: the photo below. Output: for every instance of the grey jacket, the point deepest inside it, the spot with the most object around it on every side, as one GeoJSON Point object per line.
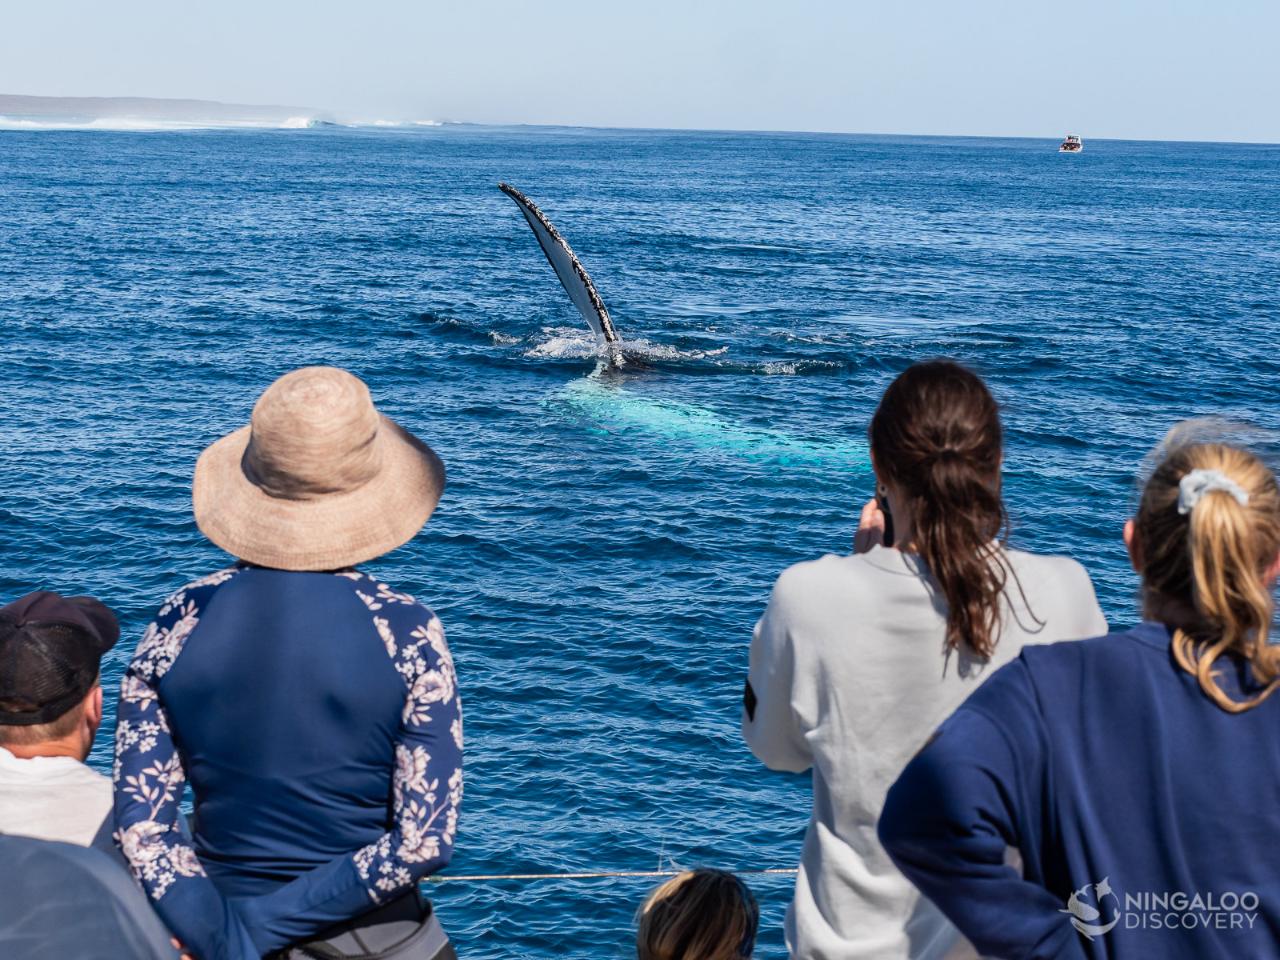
{"type": "Point", "coordinates": [73, 903]}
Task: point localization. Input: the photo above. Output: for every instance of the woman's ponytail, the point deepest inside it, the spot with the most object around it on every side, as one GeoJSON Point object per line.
{"type": "Point", "coordinates": [1208, 529]}
{"type": "Point", "coordinates": [936, 436]}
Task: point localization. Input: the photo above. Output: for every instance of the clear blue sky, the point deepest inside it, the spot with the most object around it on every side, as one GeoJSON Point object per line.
{"type": "Point", "coordinates": [1161, 69]}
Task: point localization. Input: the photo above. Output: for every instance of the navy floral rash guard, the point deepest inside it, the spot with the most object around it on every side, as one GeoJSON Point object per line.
{"type": "Point", "coordinates": [317, 720]}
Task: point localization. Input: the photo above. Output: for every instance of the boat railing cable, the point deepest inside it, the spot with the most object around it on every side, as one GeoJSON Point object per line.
{"type": "Point", "coordinates": [590, 875]}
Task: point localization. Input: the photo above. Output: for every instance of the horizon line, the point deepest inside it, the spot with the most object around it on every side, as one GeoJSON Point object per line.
{"type": "Point", "coordinates": [856, 133]}
{"type": "Point", "coordinates": [326, 114]}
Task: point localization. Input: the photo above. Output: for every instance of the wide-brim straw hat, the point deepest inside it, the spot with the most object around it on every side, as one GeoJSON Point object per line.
{"type": "Point", "coordinates": [318, 480]}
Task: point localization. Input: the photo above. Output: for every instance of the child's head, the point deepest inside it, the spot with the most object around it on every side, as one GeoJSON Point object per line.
{"type": "Point", "coordinates": [1206, 540]}
{"type": "Point", "coordinates": [698, 915]}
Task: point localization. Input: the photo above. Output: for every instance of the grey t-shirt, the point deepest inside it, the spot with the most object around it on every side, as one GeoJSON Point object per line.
{"type": "Point", "coordinates": [850, 676]}
{"type": "Point", "coordinates": [58, 900]}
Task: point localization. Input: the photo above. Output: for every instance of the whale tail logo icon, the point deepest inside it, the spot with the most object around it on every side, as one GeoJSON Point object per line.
{"type": "Point", "coordinates": [1085, 914]}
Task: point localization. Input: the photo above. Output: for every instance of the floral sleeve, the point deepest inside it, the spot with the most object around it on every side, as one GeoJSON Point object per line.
{"type": "Point", "coordinates": [426, 788]}
{"type": "Point", "coordinates": [149, 780]}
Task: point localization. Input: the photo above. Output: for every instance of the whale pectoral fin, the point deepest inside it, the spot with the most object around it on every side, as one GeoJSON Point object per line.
{"type": "Point", "coordinates": [573, 277]}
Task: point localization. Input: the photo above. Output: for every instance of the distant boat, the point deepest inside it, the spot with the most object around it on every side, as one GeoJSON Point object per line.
{"type": "Point", "coordinates": [1072, 144]}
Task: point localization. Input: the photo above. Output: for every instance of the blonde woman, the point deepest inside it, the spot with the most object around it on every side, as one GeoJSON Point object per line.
{"type": "Point", "coordinates": [1138, 774]}
{"type": "Point", "coordinates": [698, 915]}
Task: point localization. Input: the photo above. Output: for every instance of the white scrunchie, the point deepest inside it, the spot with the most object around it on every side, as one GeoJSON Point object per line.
{"type": "Point", "coordinates": [1193, 487]}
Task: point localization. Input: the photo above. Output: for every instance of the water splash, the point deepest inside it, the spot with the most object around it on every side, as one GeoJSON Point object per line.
{"type": "Point", "coordinates": [570, 343]}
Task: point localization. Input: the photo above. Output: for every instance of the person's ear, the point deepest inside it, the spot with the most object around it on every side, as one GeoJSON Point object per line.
{"type": "Point", "coordinates": [93, 708]}
{"type": "Point", "coordinates": [1273, 572]}
{"type": "Point", "coordinates": [1134, 545]}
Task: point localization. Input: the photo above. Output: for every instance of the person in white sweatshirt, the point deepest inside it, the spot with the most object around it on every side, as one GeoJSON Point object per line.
{"type": "Point", "coordinates": [859, 658]}
{"type": "Point", "coordinates": [50, 709]}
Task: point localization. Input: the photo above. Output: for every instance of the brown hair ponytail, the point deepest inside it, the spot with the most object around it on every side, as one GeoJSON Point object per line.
{"type": "Point", "coordinates": [1203, 560]}
{"type": "Point", "coordinates": [936, 437]}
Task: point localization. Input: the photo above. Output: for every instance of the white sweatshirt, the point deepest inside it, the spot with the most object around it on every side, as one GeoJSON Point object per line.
{"type": "Point", "coordinates": [850, 676]}
{"type": "Point", "coordinates": [55, 798]}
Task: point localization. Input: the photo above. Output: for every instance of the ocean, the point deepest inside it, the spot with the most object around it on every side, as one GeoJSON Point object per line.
{"type": "Point", "coordinates": [606, 544]}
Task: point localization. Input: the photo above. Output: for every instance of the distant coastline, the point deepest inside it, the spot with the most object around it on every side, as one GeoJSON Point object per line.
{"type": "Point", "coordinates": [21, 112]}
{"type": "Point", "coordinates": [125, 113]}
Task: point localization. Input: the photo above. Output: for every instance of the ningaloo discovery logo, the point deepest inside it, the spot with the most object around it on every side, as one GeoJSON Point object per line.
{"type": "Point", "coordinates": [1096, 909]}
{"type": "Point", "coordinates": [1085, 915]}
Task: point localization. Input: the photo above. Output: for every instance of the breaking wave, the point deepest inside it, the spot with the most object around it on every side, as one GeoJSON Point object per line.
{"type": "Point", "coordinates": [150, 125]}
{"type": "Point", "coordinates": [396, 124]}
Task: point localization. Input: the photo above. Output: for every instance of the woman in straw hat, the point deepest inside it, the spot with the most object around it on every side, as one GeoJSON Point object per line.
{"type": "Point", "coordinates": [312, 708]}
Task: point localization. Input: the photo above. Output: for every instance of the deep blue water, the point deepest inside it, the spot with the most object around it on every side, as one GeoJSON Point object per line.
{"type": "Point", "coordinates": [604, 548]}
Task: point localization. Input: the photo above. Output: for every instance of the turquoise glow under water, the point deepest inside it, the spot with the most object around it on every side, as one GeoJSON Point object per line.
{"type": "Point", "coordinates": [618, 412]}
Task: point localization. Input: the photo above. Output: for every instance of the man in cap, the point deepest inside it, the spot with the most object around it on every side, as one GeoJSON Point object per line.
{"type": "Point", "coordinates": [50, 709]}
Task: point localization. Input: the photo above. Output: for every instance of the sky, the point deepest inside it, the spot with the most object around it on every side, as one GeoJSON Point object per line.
{"type": "Point", "coordinates": [1134, 69]}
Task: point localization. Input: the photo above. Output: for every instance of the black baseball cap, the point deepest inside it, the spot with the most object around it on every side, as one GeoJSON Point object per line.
{"type": "Point", "coordinates": [50, 651]}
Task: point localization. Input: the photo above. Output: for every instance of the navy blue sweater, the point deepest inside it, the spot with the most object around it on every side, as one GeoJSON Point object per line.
{"type": "Point", "coordinates": [316, 718]}
{"type": "Point", "coordinates": [1147, 817]}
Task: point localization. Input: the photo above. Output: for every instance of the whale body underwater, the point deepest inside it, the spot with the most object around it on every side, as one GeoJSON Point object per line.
{"type": "Point", "coordinates": [600, 401]}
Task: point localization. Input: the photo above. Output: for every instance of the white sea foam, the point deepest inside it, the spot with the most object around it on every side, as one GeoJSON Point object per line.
{"type": "Point", "coordinates": [572, 346]}
{"type": "Point", "coordinates": [146, 125]}
{"type": "Point", "coordinates": [18, 123]}
{"type": "Point", "coordinates": [154, 125]}
{"type": "Point", "coordinates": [121, 124]}
{"type": "Point", "coordinates": [570, 343]}
{"type": "Point", "coordinates": [131, 124]}
{"type": "Point", "coordinates": [384, 124]}
{"type": "Point", "coordinates": [663, 351]}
